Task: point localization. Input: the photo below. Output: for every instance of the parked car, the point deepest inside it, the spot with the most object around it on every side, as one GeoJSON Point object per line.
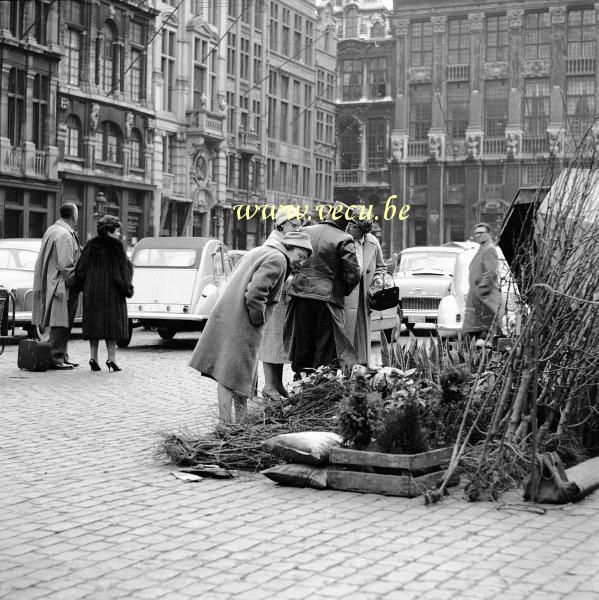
{"type": "Point", "coordinates": [423, 276]}
{"type": "Point", "coordinates": [176, 281]}
{"type": "Point", "coordinates": [451, 308]}
{"type": "Point", "coordinates": [17, 265]}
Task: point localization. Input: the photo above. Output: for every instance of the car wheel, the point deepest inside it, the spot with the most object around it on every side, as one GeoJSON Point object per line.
{"type": "Point", "coordinates": [124, 342]}
{"type": "Point", "coordinates": [166, 333]}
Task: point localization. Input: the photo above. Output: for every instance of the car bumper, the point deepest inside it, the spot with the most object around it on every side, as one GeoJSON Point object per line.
{"type": "Point", "coordinates": [164, 316]}
{"type": "Point", "coordinates": [419, 316]}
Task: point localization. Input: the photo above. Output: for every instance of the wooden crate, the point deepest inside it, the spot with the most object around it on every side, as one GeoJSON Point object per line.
{"type": "Point", "coordinates": [406, 475]}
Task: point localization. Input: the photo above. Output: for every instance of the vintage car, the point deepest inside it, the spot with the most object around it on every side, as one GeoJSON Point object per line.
{"type": "Point", "coordinates": [177, 281]}
{"type": "Point", "coordinates": [17, 264]}
{"type": "Point", "coordinates": [451, 308]}
{"type": "Point", "coordinates": [423, 276]}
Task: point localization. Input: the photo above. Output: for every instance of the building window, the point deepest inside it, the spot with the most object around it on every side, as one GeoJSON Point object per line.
{"type": "Point", "coordinates": [493, 175]}
{"type": "Point", "coordinates": [330, 94]}
{"type": "Point", "coordinates": [351, 22]}
{"type": "Point", "coordinates": [258, 8]}
{"type": "Point", "coordinates": [257, 113]}
{"type": "Point", "coordinates": [537, 35]}
{"type": "Point", "coordinates": [536, 106]}
{"type": "Point", "coordinates": [111, 143]}
{"type": "Point", "coordinates": [232, 8]}
{"type": "Point", "coordinates": [136, 144]}
{"type": "Point", "coordinates": [246, 6]}
{"type": "Point", "coordinates": [454, 224]}
{"type": "Point", "coordinates": [581, 33]}
{"type": "Point", "coordinates": [274, 26]}
{"type": "Point", "coordinates": [109, 59]}
{"type": "Point", "coordinates": [497, 38]}
{"type": "Point", "coordinates": [458, 42]}
{"type": "Point", "coordinates": [320, 82]}
{"type": "Point", "coordinates": [351, 79]}
{"type": "Point", "coordinates": [458, 109]}
{"type": "Point", "coordinates": [421, 44]}
{"type": "Point", "coordinates": [41, 93]}
{"type": "Point", "coordinates": [73, 139]}
{"type": "Point", "coordinates": [72, 55]}
{"type": "Point", "coordinates": [271, 129]}
{"type": "Point", "coordinates": [376, 137]}
{"type": "Point", "coordinates": [17, 18]}
{"type": "Point", "coordinates": [41, 9]}
{"type": "Point", "coordinates": [231, 53]}
{"type": "Point", "coordinates": [377, 30]}
{"type": "Point", "coordinates": [285, 32]}
{"type": "Point", "coordinates": [329, 127]}
{"type": "Point", "coordinates": [285, 87]}
{"type": "Point", "coordinates": [328, 178]}
{"type": "Point", "coordinates": [534, 174]}
{"type": "Point", "coordinates": [257, 63]}
{"type": "Point", "coordinates": [377, 77]}
{"type": "Point", "coordinates": [420, 111]}
{"type": "Point", "coordinates": [306, 181]}
{"type": "Point", "coordinates": [496, 104]}
{"type": "Point", "coordinates": [319, 126]}
{"type": "Point", "coordinates": [284, 121]}
{"type": "Point", "coordinates": [283, 177]}
{"type": "Point", "coordinates": [244, 59]}
{"type": "Point", "coordinates": [309, 45]}
{"type": "Point", "coordinates": [168, 68]}
{"type": "Point", "coordinates": [580, 100]}
{"type": "Point", "coordinates": [349, 144]}
{"type": "Point", "coordinates": [318, 179]}
{"type": "Point", "coordinates": [307, 128]}
{"type": "Point", "coordinates": [168, 153]}
{"type": "Point", "coordinates": [455, 175]}
{"type": "Point", "coordinates": [231, 112]}
{"type": "Point", "coordinates": [418, 176]}
{"type": "Point", "coordinates": [72, 11]}
{"type": "Point", "coordinates": [16, 105]}
{"type": "Point", "coordinates": [138, 61]}
{"type": "Point", "coordinates": [297, 36]}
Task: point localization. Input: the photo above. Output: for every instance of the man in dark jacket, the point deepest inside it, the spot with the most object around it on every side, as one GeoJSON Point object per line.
{"type": "Point", "coordinates": [314, 326]}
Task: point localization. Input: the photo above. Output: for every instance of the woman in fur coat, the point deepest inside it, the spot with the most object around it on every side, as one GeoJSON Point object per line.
{"type": "Point", "coordinates": [104, 274]}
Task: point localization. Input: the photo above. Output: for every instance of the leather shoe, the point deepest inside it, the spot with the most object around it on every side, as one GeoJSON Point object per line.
{"type": "Point", "coordinates": [59, 366]}
{"type": "Point", "coordinates": [73, 364]}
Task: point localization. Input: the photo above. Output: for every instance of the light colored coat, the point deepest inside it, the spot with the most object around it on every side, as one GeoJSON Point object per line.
{"type": "Point", "coordinates": [272, 349]}
{"type": "Point", "coordinates": [356, 308]}
{"type": "Point", "coordinates": [53, 276]}
{"type": "Point", "coordinates": [484, 298]}
{"type": "Point", "coordinates": [227, 350]}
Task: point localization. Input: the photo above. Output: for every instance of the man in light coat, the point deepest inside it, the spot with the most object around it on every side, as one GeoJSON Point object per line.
{"type": "Point", "coordinates": [356, 308]}
{"type": "Point", "coordinates": [54, 298]}
{"type": "Point", "coordinates": [227, 350]}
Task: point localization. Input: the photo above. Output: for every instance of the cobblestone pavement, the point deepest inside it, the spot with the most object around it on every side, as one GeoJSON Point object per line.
{"type": "Point", "coordinates": [86, 513]}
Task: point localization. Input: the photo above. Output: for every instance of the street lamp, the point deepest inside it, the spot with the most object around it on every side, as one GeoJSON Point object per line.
{"type": "Point", "coordinates": [100, 203]}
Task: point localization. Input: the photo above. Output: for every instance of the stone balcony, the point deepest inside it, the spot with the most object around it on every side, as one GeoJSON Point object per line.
{"type": "Point", "coordinates": [248, 142]}
{"type": "Point", "coordinates": [362, 177]}
{"type": "Point", "coordinates": [208, 124]}
{"type": "Point", "coordinates": [26, 161]}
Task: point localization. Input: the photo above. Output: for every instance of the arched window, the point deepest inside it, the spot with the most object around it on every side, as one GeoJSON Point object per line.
{"type": "Point", "coordinates": [351, 22]}
{"type": "Point", "coordinates": [110, 62]}
{"type": "Point", "coordinates": [377, 30]}
{"type": "Point", "coordinates": [112, 143]}
{"type": "Point", "coordinates": [137, 156]}
{"type": "Point", "coordinates": [72, 145]}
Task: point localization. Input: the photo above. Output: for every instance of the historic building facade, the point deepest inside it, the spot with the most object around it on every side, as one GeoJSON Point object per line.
{"type": "Point", "coordinates": [239, 114]}
{"type": "Point", "coordinates": [491, 96]}
{"type": "Point", "coordinates": [365, 108]}
{"type": "Point", "coordinates": [29, 58]}
{"type": "Point", "coordinates": [106, 118]}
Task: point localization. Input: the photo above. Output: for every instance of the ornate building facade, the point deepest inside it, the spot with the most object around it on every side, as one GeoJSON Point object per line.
{"type": "Point", "coordinates": [29, 58]}
{"type": "Point", "coordinates": [365, 94]}
{"type": "Point", "coordinates": [491, 97]}
{"type": "Point", "coordinates": [241, 115]}
{"type": "Point", "coordinates": [106, 117]}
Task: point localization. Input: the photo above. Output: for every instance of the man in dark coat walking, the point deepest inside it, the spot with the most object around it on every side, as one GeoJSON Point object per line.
{"type": "Point", "coordinates": [315, 319]}
{"type": "Point", "coordinates": [227, 350]}
{"type": "Point", "coordinates": [54, 297]}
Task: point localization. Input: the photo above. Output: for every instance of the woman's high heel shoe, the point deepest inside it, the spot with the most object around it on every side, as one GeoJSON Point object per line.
{"type": "Point", "coordinates": [93, 365]}
{"type": "Point", "coordinates": [112, 366]}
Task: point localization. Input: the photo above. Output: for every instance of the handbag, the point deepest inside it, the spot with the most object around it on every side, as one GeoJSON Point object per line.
{"type": "Point", "coordinates": [383, 293]}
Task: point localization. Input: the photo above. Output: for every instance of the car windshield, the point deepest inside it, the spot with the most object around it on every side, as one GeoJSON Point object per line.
{"type": "Point", "coordinates": [17, 258]}
{"type": "Point", "coordinates": [165, 257]}
{"type": "Point", "coordinates": [428, 260]}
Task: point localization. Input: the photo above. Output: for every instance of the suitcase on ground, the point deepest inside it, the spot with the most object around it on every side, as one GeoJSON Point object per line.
{"type": "Point", "coordinates": [33, 355]}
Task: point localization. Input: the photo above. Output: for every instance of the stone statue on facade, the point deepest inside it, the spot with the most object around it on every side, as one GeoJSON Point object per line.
{"type": "Point", "coordinates": [94, 115]}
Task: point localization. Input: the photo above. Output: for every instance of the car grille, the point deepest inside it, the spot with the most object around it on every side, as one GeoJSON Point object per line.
{"type": "Point", "coordinates": [420, 303]}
